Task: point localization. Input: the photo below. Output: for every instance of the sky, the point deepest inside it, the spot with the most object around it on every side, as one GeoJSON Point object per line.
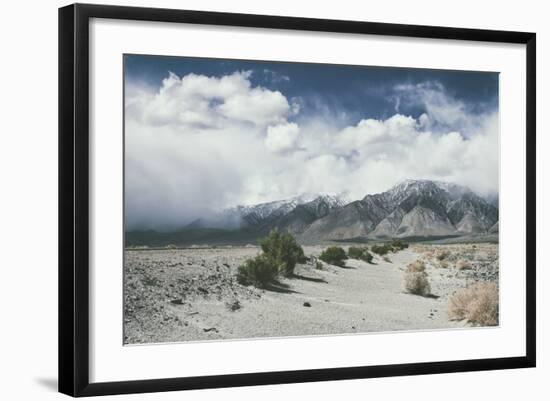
{"type": "Point", "coordinates": [202, 135]}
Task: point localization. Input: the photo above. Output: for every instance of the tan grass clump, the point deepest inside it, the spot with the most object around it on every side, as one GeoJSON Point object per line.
{"type": "Point", "coordinates": [478, 304]}
{"type": "Point", "coordinates": [440, 255]}
{"type": "Point", "coordinates": [416, 267]}
{"type": "Point", "coordinates": [463, 265]}
{"type": "Point", "coordinates": [417, 283]}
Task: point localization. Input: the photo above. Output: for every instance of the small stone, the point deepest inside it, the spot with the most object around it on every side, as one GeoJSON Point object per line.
{"type": "Point", "coordinates": [233, 306]}
{"type": "Point", "coordinates": [215, 330]}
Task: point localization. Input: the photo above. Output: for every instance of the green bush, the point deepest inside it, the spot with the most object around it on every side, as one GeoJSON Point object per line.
{"type": "Point", "coordinates": [399, 245]}
{"type": "Point", "coordinates": [280, 255]}
{"type": "Point", "coordinates": [360, 253]}
{"type": "Point", "coordinates": [355, 252]}
{"type": "Point", "coordinates": [367, 256]}
{"type": "Point", "coordinates": [283, 251]}
{"type": "Point", "coordinates": [381, 249]}
{"type": "Point", "coordinates": [334, 255]}
{"type": "Point", "coordinates": [259, 271]}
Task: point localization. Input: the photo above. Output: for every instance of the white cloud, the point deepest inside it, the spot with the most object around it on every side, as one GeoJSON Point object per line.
{"type": "Point", "coordinates": [275, 77]}
{"type": "Point", "coordinates": [200, 144]}
{"type": "Point", "coordinates": [443, 112]}
{"type": "Point", "coordinates": [282, 138]}
{"type": "Point", "coordinates": [198, 101]}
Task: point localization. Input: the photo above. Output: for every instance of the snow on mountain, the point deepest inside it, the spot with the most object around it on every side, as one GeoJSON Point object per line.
{"type": "Point", "coordinates": [268, 213]}
{"type": "Point", "coordinates": [409, 209]}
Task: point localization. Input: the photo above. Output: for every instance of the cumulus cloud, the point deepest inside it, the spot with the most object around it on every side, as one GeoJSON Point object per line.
{"type": "Point", "coordinates": [199, 144]}
{"type": "Point", "coordinates": [384, 152]}
{"type": "Point", "coordinates": [198, 101]}
{"type": "Point", "coordinates": [282, 138]}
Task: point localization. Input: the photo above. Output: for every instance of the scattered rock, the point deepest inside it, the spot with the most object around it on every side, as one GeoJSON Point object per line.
{"type": "Point", "coordinates": [233, 306]}
{"type": "Point", "coordinates": [215, 330]}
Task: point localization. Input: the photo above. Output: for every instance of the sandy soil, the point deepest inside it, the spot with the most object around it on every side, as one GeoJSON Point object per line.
{"type": "Point", "coordinates": [192, 295]}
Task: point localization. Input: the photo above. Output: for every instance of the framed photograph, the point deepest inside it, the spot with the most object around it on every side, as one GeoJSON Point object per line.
{"type": "Point", "coordinates": [250, 199]}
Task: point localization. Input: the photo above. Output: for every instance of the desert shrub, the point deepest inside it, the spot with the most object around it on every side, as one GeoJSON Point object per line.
{"type": "Point", "coordinates": [477, 303]}
{"type": "Point", "coordinates": [355, 252]}
{"type": "Point", "coordinates": [150, 281]}
{"type": "Point", "coordinates": [283, 251]}
{"type": "Point", "coordinates": [463, 265]}
{"type": "Point", "coordinates": [334, 255]}
{"type": "Point", "coordinates": [442, 255]}
{"type": "Point", "coordinates": [416, 282]}
{"type": "Point", "coordinates": [360, 253]}
{"type": "Point", "coordinates": [416, 267]}
{"type": "Point", "coordinates": [259, 271]}
{"type": "Point", "coordinates": [366, 256]}
{"type": "Point", "coordinates": [381, 249]}
{"type": "Point", "coordinates": [399, 245]}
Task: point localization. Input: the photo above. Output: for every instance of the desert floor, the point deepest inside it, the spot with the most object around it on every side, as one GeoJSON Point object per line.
{"type": "Point", "coordinates": [192, 295]}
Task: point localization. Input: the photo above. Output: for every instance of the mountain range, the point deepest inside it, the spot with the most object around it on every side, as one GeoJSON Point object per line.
{"type": "Point", "coordinates": [410, 209]}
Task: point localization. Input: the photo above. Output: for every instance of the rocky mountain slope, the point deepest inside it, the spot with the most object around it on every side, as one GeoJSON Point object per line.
{"type": "Point", "coordinates": [413, 208]}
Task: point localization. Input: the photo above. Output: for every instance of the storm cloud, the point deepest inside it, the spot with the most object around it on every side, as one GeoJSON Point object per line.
{"type": "Point", "coordinates": [198, 144]}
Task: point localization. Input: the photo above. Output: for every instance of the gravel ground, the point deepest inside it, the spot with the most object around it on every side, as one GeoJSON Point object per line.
{"type": "Point", "coordinates": [192, 295]}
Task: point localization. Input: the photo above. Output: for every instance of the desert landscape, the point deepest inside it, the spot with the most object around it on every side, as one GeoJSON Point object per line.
{"type": "Point", "coordinates": [277, 199]}
{"type": "Point", "coordinates": [193, 294]}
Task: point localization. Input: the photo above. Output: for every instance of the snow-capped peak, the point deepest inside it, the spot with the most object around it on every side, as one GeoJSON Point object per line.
{"type": "Point", "coordinates": [427, 186]}
{"type": "Point", "coordinates": [279, 207]}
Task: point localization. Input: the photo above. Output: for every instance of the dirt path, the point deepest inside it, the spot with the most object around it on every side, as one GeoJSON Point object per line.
{"type": "Point", "coordinates": [359, 298]}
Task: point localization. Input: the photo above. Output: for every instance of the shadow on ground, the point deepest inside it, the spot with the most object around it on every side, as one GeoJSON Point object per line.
{"type": "Point", "coordinates": [306, 278]}
{"type": "Point", "coordinates": [277, 286]}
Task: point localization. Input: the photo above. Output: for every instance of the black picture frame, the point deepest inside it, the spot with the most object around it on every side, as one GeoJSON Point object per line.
{"type": "Point", "coordinates": [74, 198]}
